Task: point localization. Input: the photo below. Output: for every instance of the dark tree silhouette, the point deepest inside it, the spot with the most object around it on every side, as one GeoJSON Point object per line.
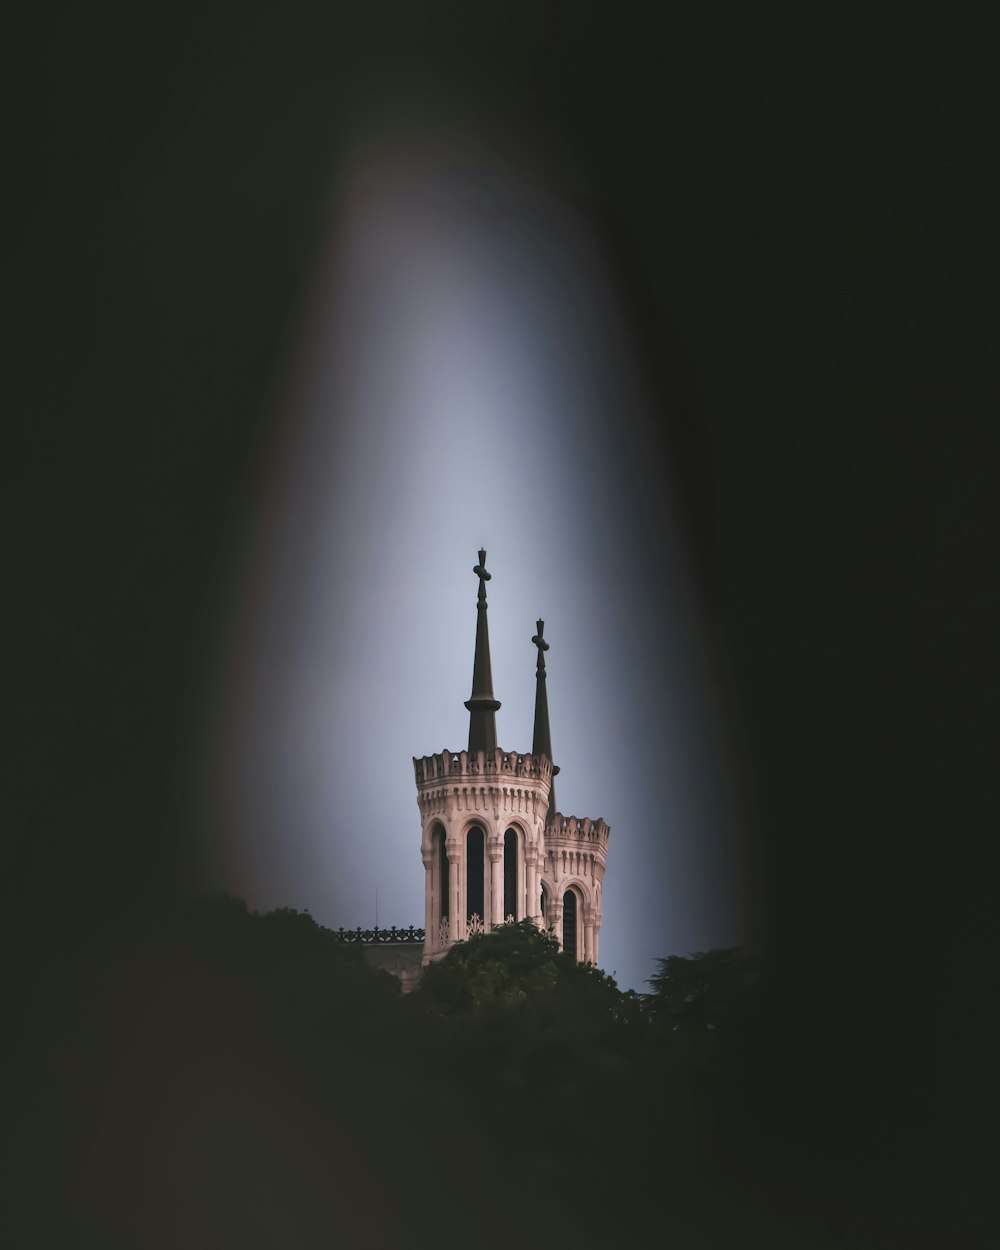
{"type": "Point", "coordinates": [705, 990]}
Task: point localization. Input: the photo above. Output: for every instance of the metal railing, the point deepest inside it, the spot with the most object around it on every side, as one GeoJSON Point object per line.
{"type": "Point", "coordinates": [371, 936]}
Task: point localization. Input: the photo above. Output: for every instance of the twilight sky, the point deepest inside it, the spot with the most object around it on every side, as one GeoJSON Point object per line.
{"type": "Point", "coordinates": [462, 378]}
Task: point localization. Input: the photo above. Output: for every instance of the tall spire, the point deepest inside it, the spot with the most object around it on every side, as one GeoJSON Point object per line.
{"type": "Point", "coordinates": [482, 705]}
{"type": "Point", "coordinates": [541, 741]}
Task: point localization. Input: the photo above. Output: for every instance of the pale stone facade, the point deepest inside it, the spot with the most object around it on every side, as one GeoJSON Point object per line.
{"type": "Point", "coordinates": [493, 847]}
{"type": "Point", "coordinates": [500, 792]}
{"type": "Point", "coordinates": [574, 856]}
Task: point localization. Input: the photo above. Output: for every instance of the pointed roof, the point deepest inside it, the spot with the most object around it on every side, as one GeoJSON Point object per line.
{"type": "Point", "coordinates": [541, 740]}
{"type": "Point", "coordinates": [482, 705]}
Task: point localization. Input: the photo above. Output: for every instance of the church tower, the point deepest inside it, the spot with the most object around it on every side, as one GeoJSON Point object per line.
{"type": "Point", "coordinates": [495, 849]}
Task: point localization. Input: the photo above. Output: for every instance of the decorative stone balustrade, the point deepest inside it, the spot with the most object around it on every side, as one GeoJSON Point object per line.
{"type": "Point", "coordinates": [475, 927]}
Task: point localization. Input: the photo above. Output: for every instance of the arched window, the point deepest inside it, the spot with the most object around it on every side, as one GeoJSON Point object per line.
{"type": "Point", "coordinates": [441, 859]}
{"type": "Point", "coordinates": [510, 896]}
{"type": "Point", "coordinates": [543, 906]}
{"type": "Point", "coordinates": [475, 895]}
{"type": "Point", "coordinates": [570, 926]}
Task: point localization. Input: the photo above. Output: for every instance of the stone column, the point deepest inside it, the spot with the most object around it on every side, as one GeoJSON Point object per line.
{"type": "Point", "coordinates": [589, 953]}
{"type": "Point", "coordinates": [430, 919]}
{"type": "Point", "coordinates": [531, 890]}
{"type": "Point", "coordinates": [456, 919]}
{"type": "Point", "coordinates": [557, 911]}
{"type": "Point", "coordinates": [495, 894]}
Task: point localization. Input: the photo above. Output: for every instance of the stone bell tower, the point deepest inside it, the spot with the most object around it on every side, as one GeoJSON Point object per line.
{"type": "Point", "coordinates": [494, 847]}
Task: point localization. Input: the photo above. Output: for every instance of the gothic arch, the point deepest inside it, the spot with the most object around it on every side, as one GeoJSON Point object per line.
{"type": "Point", "coordinates": [582, 887]}
{"type": "Point", "coordinates": [476, 869]}
{"type": "Point", "coordinates": [478, 820]}
{"type": "Point", "coordinates": [573, 902]}
{"type": "Point", "coordinates": [439, 856]}
{"type": "Point", "coordinates": [520, 824]}
{"type": "Point", "coordinates": [513, 873]}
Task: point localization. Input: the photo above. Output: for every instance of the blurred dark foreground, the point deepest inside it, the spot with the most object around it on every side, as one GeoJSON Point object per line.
{"type": "Point", "coordinates": [244, 1080]}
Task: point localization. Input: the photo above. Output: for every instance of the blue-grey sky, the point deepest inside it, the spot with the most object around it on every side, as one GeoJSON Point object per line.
{"type": "Point", "coordinates": [462, 378]}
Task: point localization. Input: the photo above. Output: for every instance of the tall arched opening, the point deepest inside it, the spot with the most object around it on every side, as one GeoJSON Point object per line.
{"type": "Point", "coordinates": [511, 910]}
{"type": "Point", "coordinates": [571, 928]}
{"type": "Point", "coordinates": [475, 860]}
{"type": "Point", "coordinates": [440, 872]}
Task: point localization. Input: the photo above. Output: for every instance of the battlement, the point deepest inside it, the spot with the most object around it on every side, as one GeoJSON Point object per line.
{"type": "Point", "coordinates": [577, 829]}
{"type": "Point", "coordinates": [497, 763]}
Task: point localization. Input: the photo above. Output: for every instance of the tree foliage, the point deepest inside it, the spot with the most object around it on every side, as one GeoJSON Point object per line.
{"type": "Point", "coordinates": [511, 1068]}
{"type": "Point", "coordinates": [705, 990]}
{"type": "Point", "coordinates": [498, 971]}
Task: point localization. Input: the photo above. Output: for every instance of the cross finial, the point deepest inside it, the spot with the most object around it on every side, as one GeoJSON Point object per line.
{"type": "Point", "coordinates": [480, 572]}
{"type": "Point", "coordinates": [538, 640]}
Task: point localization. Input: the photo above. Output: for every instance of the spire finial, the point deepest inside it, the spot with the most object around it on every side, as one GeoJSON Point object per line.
{"type": "Point", "coordinates": [541, 644]}
{"type": "Point", "coordinates": [482, 705]}
{"type": "Point", "coordinates": [480, 572]}
{"type": "Point", "coordinates": [541, 742]}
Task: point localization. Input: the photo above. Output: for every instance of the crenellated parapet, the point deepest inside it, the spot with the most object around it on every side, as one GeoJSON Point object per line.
{"type": "Point", "coordinates": [578, 829]}
{"type": "Point", "coordinates": [495, 763]}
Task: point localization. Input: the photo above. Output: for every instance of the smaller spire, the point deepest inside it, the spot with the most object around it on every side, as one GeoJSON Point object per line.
{"type": "Point", "coordinates": [541, 741]}
{"type": "Point", "coordinates": [482, 705]}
